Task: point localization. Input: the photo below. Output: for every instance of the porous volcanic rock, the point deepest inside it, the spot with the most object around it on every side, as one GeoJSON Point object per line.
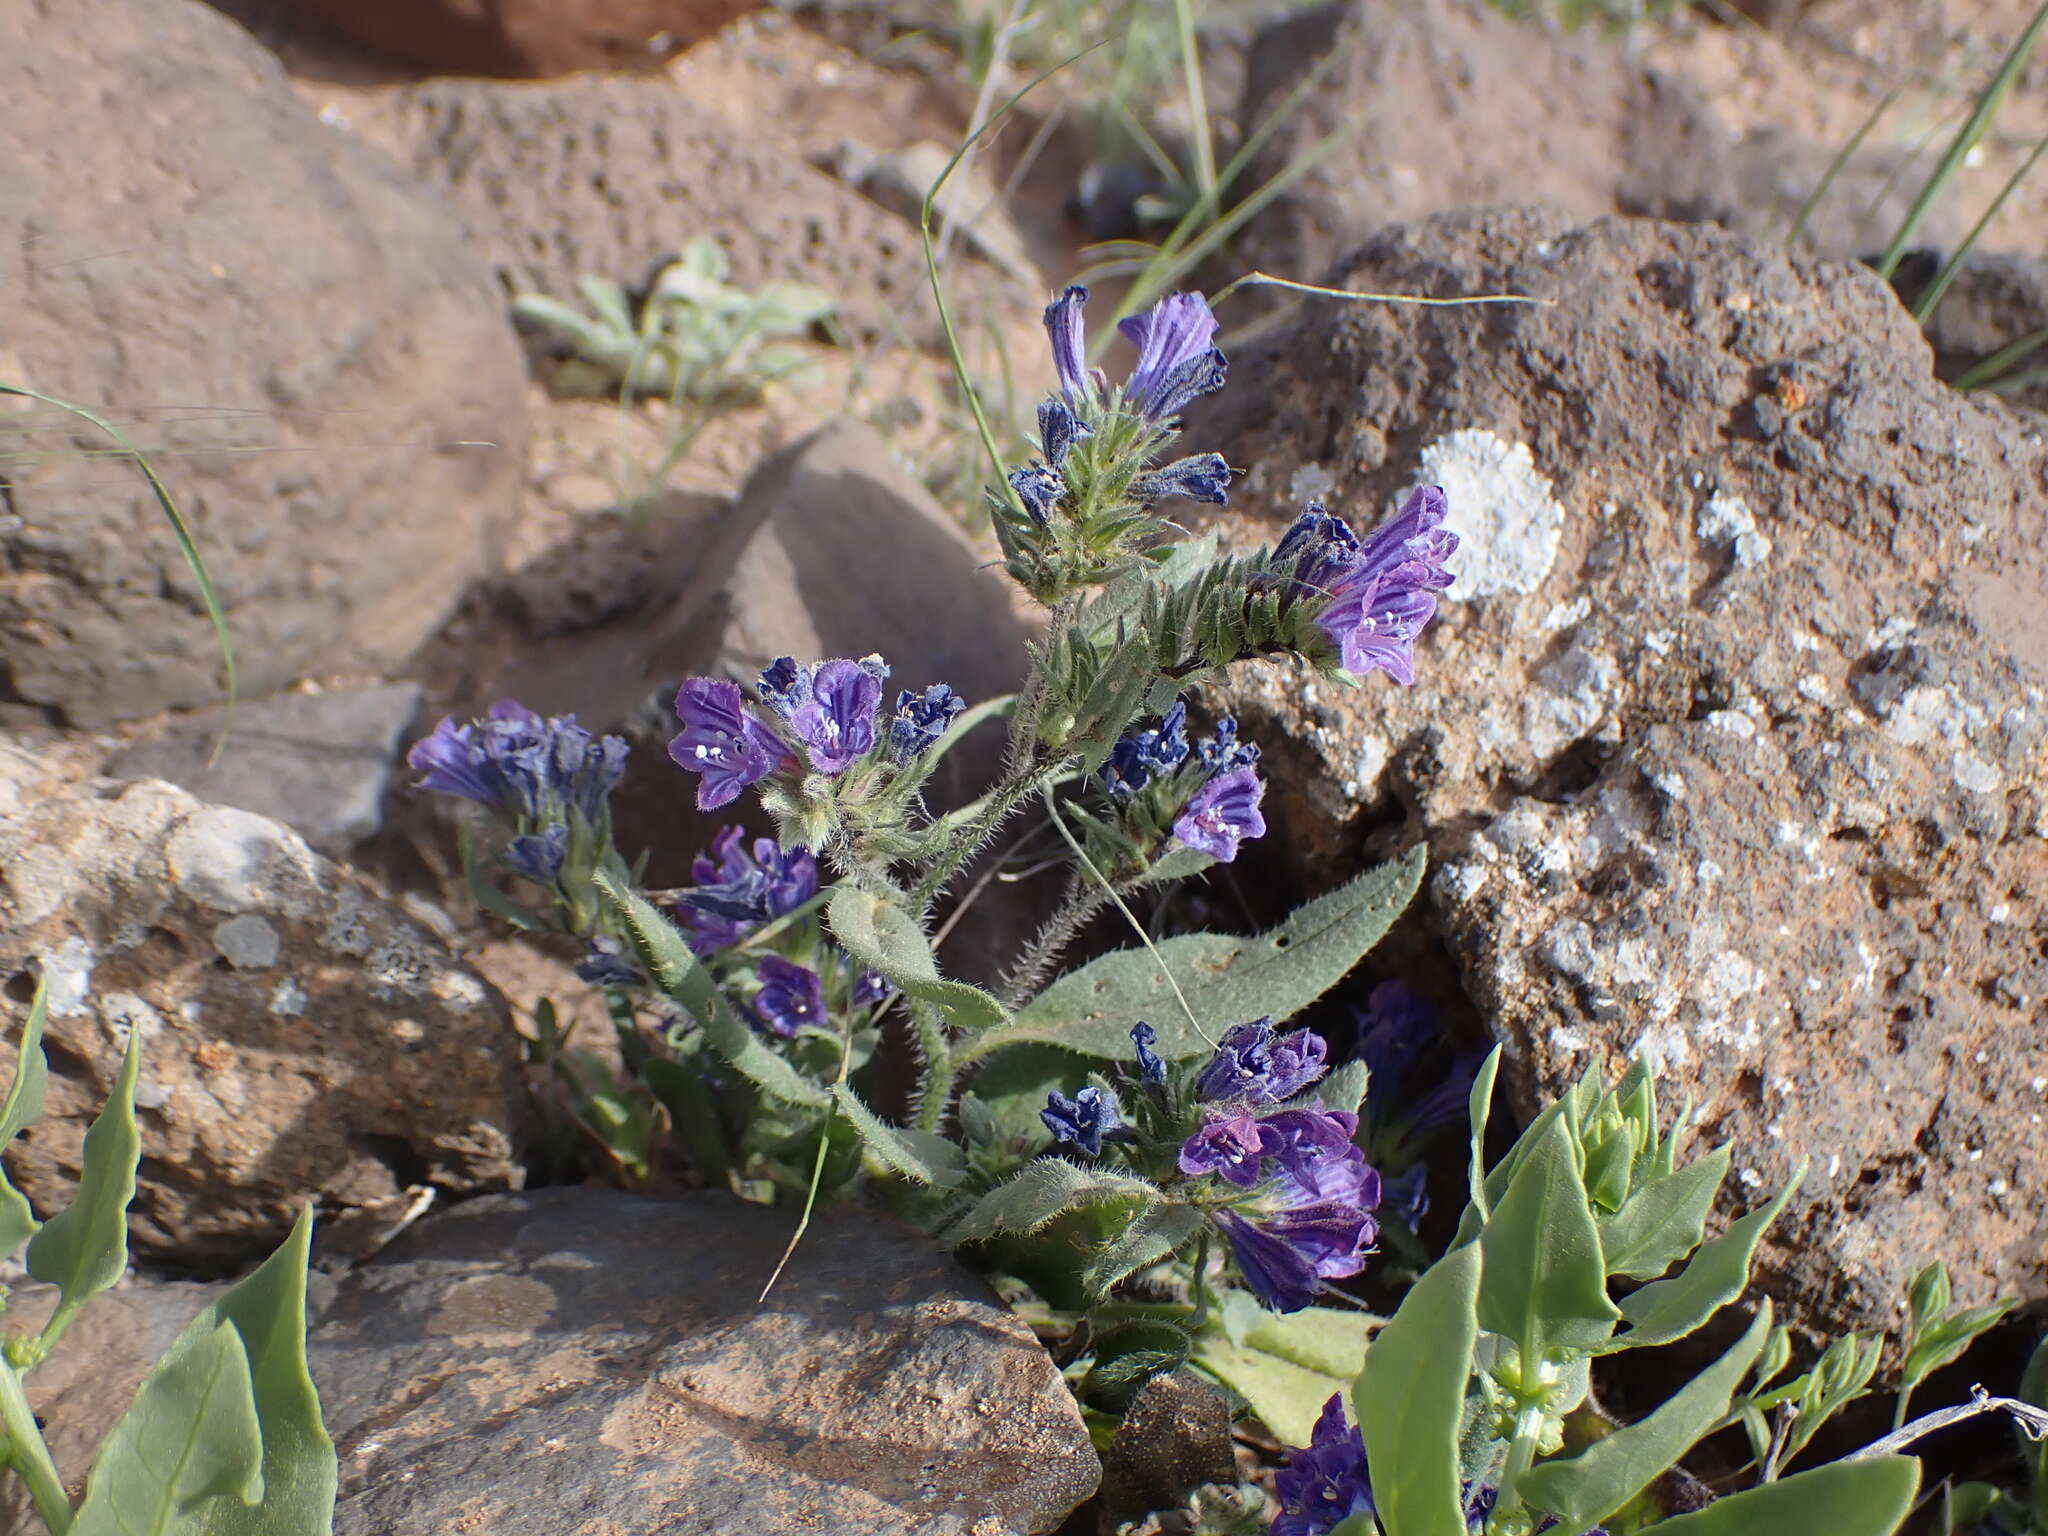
{"type": "Point", "coordinates": [302, 1039]}
{"type": "Point", "coordinates": [524, 37]}
{"type": "Point", "coordinates": [581, 1359]}
{"type": "Point", "coordinates": [296, 333]}
{"type": "Point", "coordinates": [1730, 751]}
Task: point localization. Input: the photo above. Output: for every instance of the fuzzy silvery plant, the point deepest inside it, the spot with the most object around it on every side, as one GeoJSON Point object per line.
{"type": "Point", "coordinates": [1143, 1125]}
{"type": "Point", "coordinates": [223, 1437]}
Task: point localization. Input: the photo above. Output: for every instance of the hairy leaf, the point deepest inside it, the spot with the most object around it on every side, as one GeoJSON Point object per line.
{"type": "Point", "coordinates": [1545, 1286]}
{"type": "Point", "coordinates": [915, 1154]}
{"type": "Point", "coordinates": [1162, 1228]}
{"type": "Point", "coordinates": [1663, 1222]}
{"type": "Point", "coordinates": [1844, 1498]}
{"type": "Point", "coordinates": [883, 937]}
{"type": "Point", "coordinates": [1225, 980]}
{"type": "Point", "coordinates": [1583, 1490]}
{"type": "Point", "coordinates": [1670, 1309]}
{"type": "Point", "coordinates": [191, 1438]}
{"type": "Point", "coordinates": [83, 1249]}
{"type": "Point", "coordinates": [1039, 1193]}
{"type": "Point", "coordinates": [24, 1102]}
{"type": "Point", "coordinates": [1410, 1398]}
{"type": "Point", "coordinates": [666, 956]}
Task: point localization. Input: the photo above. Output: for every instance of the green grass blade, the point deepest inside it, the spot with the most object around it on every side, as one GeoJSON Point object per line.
{"type": "Point", "coordinates": [1992, 370]}
{"type": "Point", "coordinates": [1839, 164]}
{"type": "Point", "coordinates": [179, 530]}
{"type": "Point", "coordinates": [1924, 311]}
{"type": "Point", "coordinates": [1198, 102]}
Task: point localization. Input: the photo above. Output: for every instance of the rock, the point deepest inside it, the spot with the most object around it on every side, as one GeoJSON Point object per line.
{"type": "Point", "coordinates": [297, 335]}
{"type": "Point", "coordinates": [609, 176]}
{"type": "Point", "coordinates": [1996, 300]}
{"type": "Point", "coordinates": [1730, 747]}
{"type": "Point", "coordinates": [1455, 105]}
{"type": "Point", "coordinates": [968, 202]}
{"type": "Point", "coordinates": [524, 37]}
{"type": "Point", "coordinates": [1174, 1439]}
{"type": "Point", "coordinates": [303, 1039]}
{"type": "Point", "coordinates": [580, 1359]}
{"type": "Point", "coordinates": [318, 762]}
{"type": "Point", "coordinates": [86, 1385]}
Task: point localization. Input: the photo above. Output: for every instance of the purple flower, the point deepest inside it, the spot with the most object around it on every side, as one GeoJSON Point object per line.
{"type": "Point", "coordinates": [1325, 1482]}
{"type": "Point", "coordinates": [1251, 1065]}
{"type": "Point", "coordinates": [1082, 1121]}
{"type": "Point", "coordinates": [1407, 1195]}
{"type": "Point", "coordinates": [784, 685]}
{"type": "Point", "coordinates": [1205, 477]}
{"type": "Point", "coordinates": [790, 997]}
{"type": "Point", "coordinates": [1233, 1148]}
{"type": "Point", "coordinates": [735, 891]}
{"type": "Point", "coordinates": [1065, 325]}
{"type": "Point", "coordinates": [1414, 545]}
{"type": "Point", "coordinates": [1317, 1160]}
{"type": "Point", "coordinates": [1177, 359]}
{"type": "Point", "coordinates": [517, 762]}
{"type": "Point", "coordinates": [871, 988]}
{"type": "Point", "coordinates": [1223, 752]}
{"type": "Point", "coordinates": [1223, 813]}
{"type": "Point", "coordinates": [604, 964]}
{"type": "Point", "coordinates": [921, 719]}
{"type": "Point", "coordinates": [538, 857]}
{"type": "Point", "coordinates": [1134, 760]}
{"type": "Point", "coordinates": [1386, 597]}
{"type": "Point", "coordinates": [837, 723]}
{"type": "Point", "coordinates": [1316, 550]}
{"type": "Point", "coordinates": [1150, 1067]}
{"type": "Point", "coordinates": [722, 742]}
{"type": "Point", "coordinates": [1058, 430]}
{"type": "Point", "coordinates": [1396, 1027]}
{"type": "Point", "coordinates": [1287, 1255]}
{"type": "Point", "coordinates": [1039, 489]}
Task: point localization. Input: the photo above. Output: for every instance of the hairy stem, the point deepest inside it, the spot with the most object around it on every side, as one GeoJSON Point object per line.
{"type": "Point", "coordinates": [1078, 903]}
{"type": "Point", "coordinates": [941, 1071]}
{"type": "Point", "coordinates": [29, 1456]}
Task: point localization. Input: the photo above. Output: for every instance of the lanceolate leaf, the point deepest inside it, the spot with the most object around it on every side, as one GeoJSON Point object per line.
{"type": "Point", "coordinates": [1225, 980]}
{"type": "Point", "coordinates": [1715, 1276]}
{"type": "Point", "coordinates": [1410, 1398]}
{"type": "Point", "coordinates": [268, 1310]}
{"type": "Point", "coordinates": [18, 1111]}
{"type": "Point", "coordinates": [84, 1248]}
{"type": "Point", "coordinates": [1844, 1498]}
{"type": "Point", "coordinates": [1663, 1222]}
{"type": "Point", "coordinates": [1162, 1228]}
{"type": "Point", "coordinates": [189, 1440]}
{"type": "Point", "coordinates": [666, 955]}
{"type": "Point", "coordinates": [1546, 1287]}
{"type": "Point", "coordinates": [1038, 1194]}
{"type": "Point", "coordinates": [916, 1155]}
{"type": "Point", "coordinates": [883, 937]}
{"type": "Point", "coordinates": [1584, 1489]}
{"type": "Point", "coordinates": [1287, 1365]}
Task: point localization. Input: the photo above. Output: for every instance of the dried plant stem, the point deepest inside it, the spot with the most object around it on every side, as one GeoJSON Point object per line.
{"type": "Point", "coordinates": [2033, 1423]}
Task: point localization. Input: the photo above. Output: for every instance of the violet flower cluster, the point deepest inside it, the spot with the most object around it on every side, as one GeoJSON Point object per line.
{"type": "Point", "coordinates": [825, 718]}
{"type": "Point", "coordinates": [1371, 598]}
{"type": "Point", "coordinates": [737, 887]}
{"type": "Point", "coordinates": [1209, 793]}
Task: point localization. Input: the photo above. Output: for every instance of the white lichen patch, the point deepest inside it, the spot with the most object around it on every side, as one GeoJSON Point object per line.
{"type": "Point", "coordinates": [287, 999]}
{"type": "Point", "coordinates": [1977, 776]}
{"type": "Point", "coordinates": [234, 861]}
{"type": "Point", "coordinates": [1726, 522]}
{"type": "Point", "coordinates": [67, 975]}
{"type": "Point", "coordinates": [1310, 483]}
{"type": "Point", "coordinates": [1506, 515]}
{"type": "Point", "coordinates": [248, 943]}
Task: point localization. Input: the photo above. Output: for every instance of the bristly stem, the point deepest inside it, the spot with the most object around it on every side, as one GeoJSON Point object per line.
{"type": "Point", "coordinates": [941, 1071]}
{"type": "Point", "coordinates": [1078, 903]}
{"type": "Point", "coordinates": [29, 1456]}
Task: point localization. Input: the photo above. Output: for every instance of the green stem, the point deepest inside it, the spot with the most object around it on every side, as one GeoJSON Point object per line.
{"type": "Point", "coordinates": [1201, 1312]}
{"type": "Point", "coordinates": [1077, 905]}
{"type": "Point", "coordinates": [29, 1456]}
{"type": "Point", "coordinates": [1198, 105]}
{"type": "Point", "coordinates": [941, 1069]}
{"type": "Point", "coordinates": [1529, 1423]}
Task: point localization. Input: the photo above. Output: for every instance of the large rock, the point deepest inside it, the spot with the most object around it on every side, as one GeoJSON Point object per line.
{"type": "Point", "coordinates": [1730, 750]}
{"type": "Point", "coordinates": [302, 1039]}
{"type": "Point", "coordinates": [524, 37]}
{"type": "Point", "coordinates": [296, 333]}
{"type": "Point", "coordinates": [579, 1359]}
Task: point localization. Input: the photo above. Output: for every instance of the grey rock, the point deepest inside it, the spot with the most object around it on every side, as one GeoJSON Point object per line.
{"type": "Point", "coordinates": [1736, 755]}
{"type": "Point", "coordinates": [292, 328]}
{"type": "Point", "coordinates": [318, 762]}
{"type": "Point", "coordinates": [302, 1039]}
{"type": "Point", "coordinates": [580, 1359]}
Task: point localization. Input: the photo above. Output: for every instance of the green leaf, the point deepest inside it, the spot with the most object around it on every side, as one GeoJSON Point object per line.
{"type": "Point", "coordinates": [1583, 1490]}
{"type": "Point", "coordinates": [1287, 1367]}
{"type": "Point", "coordinates": [1039, 1193]}
{"type": "Point", "coordinates": [1845, 1498]}
{"type": "Point", "coordinates": [915, 1154]}
{"type": "Point", "coordinates": [190, 1438]}
{"type": "Point", "coordinates": [1225, 980]}
{"type": "Point", "coordinates": [1670, 1309]}
{"type": "Point", "coordinates": [666, 955]}
{"type": "Point", "coordinates": [1163, 1227]}
{"type": "Point", "coordinates": [1663, 1222]}
{"type": "Point", "coordinates": [883, 937]}
{"type": "Point", "coordinates": [268, 1310]}
{"type": "Point", "coordinates": [1480, 1108]}
{"type": "Point", "coordinates": [1410, 1398]}
{"type": "Point", "coordinates": [24, 1102]}
{"type": "Point", "coordinates": [1546, 1286]}
{"type": "Point", "coordinates": [693, 1112]}
{"type": "Point", "coordinates": [84, 1248]}
{"type": "Point", "coordinates": [1343, 1090]}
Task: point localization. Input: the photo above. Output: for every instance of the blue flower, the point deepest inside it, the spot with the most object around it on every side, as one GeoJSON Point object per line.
{"type": "Point", "coordinates": [1150, 1067]}
{"type": "Point", "coordinates": [722, 741]}
{"type": "Point", "coordinates": [784, 685]}
{"type": "Point", "coordinates": [1286, 1256]}
{"type": "Point", "coordinates": [871, 988]}
{"type": "Point", "coordinates": [1065, 324]}
{"type": "Point", "coordinates": [735, 891]}
{"type": "Point", "coordinates": [1325, 1482]}
{"type": "Point", "coordinates": [1396, 1027]}
{"type": "Point", "coordinates": [1177, 358]}
{"type": "Point", "coordinates": [836, 723]}
{"type": "Point", "coordinates": [538, 856]}
{"type": "Point", "coordinates": [1406, 1194]}
{"type": "Point", "coordinates": [1039, 489]}
{"type": "Point", "coordinates": [1134, 760]}
{"type": "Point", "coordinates": [1205, 477]}
{"type": "Point", "coordinates": [1223, 752]}
{"type": "Point", "coordinates": [921, 719]}
{"type": "Point", "coordinates": [1317, 1159]}
{"type": "Point", "coordinates": [1383, 600]}
{"type": "Point", "coordinates": [604, 964]}
{"type": "Point", "coordinates": [790, 997]}
{"type": "Point", "coordinates": [517, 762]}
{"type": "Point", "coordinates": [1250, 1064]}
{"type": "Point", "coordinates": [1082, 1121]}
{"type": "Point", "coordinates": [1223, 813]}
{"type": "Point", "coordinates": [1233, 1147]}
{"type": "Point", "coordinates": [1058, 430]}
{"type": "Point", "coordinates": [1315, 551]}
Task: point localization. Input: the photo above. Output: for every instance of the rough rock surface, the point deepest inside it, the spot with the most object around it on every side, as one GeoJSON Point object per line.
{"type": "Point", "coordinates": [296, 333]}
{"type": "Point", "coordinates": [609, 176]}
{"type": "Point", "coordinates": [302, 1039]}
{"type": "Point", "coordinates": [524, 37]}
{"type": "Point", "coordinates": [1732, 753]}
{"type": "Point", "coordinates": [579, 1359]}
{"type": "Point", "coordinates": [318, 762]}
